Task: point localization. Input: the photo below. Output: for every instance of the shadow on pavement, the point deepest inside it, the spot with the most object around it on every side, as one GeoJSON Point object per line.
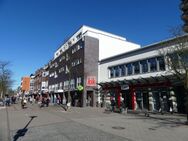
{"type": "Point", "coordinates": [22, 132]}
{"type": "Point", "coordinates": [161, 121]}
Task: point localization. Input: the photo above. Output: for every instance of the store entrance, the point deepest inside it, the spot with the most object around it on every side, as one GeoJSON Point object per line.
{"type": "Point", "coordinates": [145, 100]}
{"type": "Point", "coordinates": [89, 98]}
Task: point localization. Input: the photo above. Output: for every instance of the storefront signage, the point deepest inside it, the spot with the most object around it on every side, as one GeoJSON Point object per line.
{"type": "Point", "coordinates": [91, 81]}
{"type": "Point", "coordinates": [124, 87]}
{"type": "Point", "coordinates": [80, 88]}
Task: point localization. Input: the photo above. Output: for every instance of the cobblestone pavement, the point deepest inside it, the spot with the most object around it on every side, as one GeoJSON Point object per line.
{"type": "Point", "coordinates": [87, 124]}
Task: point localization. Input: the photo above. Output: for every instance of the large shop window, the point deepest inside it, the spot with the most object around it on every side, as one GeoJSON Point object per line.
{"type": "Point", "coordinates": [129, 69]}
{"type": "Point", "coordinates": [144, 66]}
{"type": "Point", "coordinates": [161, 63]}
{"type": "Point", "coordinates": [117, 70]}
{"type": "Point", "coordinates": [153, 64]}
{"type": "Point", "coordinates": [122, 70]}
{"type": "Point", "coordinates": [136, 67]}
{"type": "Point", "coordinates": [111, 72]}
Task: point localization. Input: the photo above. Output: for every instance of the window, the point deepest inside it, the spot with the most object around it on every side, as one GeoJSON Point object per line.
{"type": "Point", "coordinates": [73, 50]}
{"type": "Point", "coordinates": [117, 71]}
{"type": "Point", "coordinates": [122, 70]}
{"type": "Point", "coordinates": [77, 61]}
{"type": "Point", "coordinates": [73, 64]}
{"type": "Point", "coordinates": [161, 63]}
{"type": "Point", "coordinates": [55, 75]}
{"type": "Point", "coordinates": [136, 67]}
{"type": "Point", "coordinates": [129, 69]}
{"type": "Point", "coordinates": [80, 60]}
{"type": "Point", "coordinates": [144, 66]}
{"type": "Point", "coordinates": [69, 43]}
{"type": "Point", "coordinates": [55, 64]}
{"type": "Point", "coordinates": [60, 59]}
{"type": "Point", "coordinates": [61, 85]}
{"type": "Point", "coordinates": [63, 57]}
{"type": "Point", "coordinates": [67, 57]}
{"type": "Point", "coordinates": [153, 64]}
{"type": "Point", "coordinates": [81, 46]}
{"type": "Point", "coordinates": [78, 47]}
{"type": "Point", "coordinates": [66, 69]}
{"type": "Point", "coordinates": [78, 36]}
{"type": "Point", "coordinates": [61, 69]}
{"type": "Point", "coordinates": [111, 72]}
{"type": "Point", "coordinates": [72, 84]}
{"type": "Point", "coordinates": [78, 81]}
{"type": "Point", "coordinates": [56, 87]}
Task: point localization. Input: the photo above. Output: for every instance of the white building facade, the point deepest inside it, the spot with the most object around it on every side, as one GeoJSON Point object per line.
{"type": "Point", "coordinates": [109, 44]}
{"type": "Point", "coordinates": [143, 79]}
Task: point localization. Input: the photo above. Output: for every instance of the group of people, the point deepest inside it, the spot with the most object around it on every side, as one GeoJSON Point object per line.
{"type": "Point", "coordinates": [45, 101]}
{"type": "Point", "coordinates": [114, 104]}
{"type": "Point", "coordinates": [9, 100]}
{"type": "Point", "coordinates": [166, 105]}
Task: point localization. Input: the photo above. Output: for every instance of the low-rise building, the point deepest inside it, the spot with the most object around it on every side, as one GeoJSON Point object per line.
{"type": "Point", "coordinates": [143, 78]}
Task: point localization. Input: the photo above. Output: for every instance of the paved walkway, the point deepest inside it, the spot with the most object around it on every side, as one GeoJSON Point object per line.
{"type": "Point", "coordinates": [87, 124]}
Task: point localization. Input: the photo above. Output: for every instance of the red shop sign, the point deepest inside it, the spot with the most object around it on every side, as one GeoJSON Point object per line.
{"type": "Point", "coordinates": [91, 81]}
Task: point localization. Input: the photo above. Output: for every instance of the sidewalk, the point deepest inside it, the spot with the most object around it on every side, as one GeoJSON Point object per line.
{"type": "Point", "coordinates": [93, 123]}
{"type": "Point", "coordinates": [174, 118]}
{"type": "Point", "coordinates": [2, 107]}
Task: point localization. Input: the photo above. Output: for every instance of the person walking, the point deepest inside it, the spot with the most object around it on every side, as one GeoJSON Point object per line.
{"type": "Point", "coordinates": [161, 110]}
{"type": "Point", "coordinates": [112, 104]}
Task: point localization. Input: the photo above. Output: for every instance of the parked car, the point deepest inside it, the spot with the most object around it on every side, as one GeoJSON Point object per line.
{"type": "Point", "coordinates": [1, 102]}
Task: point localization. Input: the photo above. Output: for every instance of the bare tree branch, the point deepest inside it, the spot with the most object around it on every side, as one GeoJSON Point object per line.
{"type": "Point", "coordinates": [5, 78]}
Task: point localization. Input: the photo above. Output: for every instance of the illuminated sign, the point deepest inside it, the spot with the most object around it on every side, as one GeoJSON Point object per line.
{"type": "Point", "coordinates": [91, 81]}
{"type": "Point", "coordinates": [80, 88]}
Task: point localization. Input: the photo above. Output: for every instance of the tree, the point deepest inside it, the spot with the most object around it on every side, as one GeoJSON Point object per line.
{"type": "Point", "coordinates": [184, 9]}
{"type": "Point", "coordinates": [5, 78]}
{"type": "Point", "coordinates": [176, 56]}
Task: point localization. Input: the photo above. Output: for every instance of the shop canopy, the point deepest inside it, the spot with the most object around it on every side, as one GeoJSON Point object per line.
{"type": "Point", "coordinates": [162, 80]}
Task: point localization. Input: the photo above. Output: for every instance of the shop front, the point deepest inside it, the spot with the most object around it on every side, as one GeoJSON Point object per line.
{"type": "Point", "coordinates": [156, 95]}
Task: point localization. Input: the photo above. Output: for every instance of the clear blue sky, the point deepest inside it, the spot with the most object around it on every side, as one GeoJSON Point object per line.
{"type": "Point", "coordinates": [32, 30]}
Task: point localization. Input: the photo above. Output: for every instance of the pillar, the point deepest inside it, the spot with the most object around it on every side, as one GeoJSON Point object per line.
{"type": "Point", "coordinates": [151, 105]}
{"type": "Point", "coordinates": [173, 100]}
{"type": "Point", "coordinates": [118, 97]}
{"type": "Point", "coordinates": [133, 95]}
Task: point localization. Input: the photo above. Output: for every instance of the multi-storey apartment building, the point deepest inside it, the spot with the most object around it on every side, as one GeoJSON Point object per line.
{"type": "Point", "coordinates": [45, 76]}
{"type": "Point", "coordinates": [75, 64]}
{"type": "Point", "coordinates": [32, 84]}
{"type": "Point", "coordinates": [143, 78]}
{"type": "Point", "coordinates": [41, 80]}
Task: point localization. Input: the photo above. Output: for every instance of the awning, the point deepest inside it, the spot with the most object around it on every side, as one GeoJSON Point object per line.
{"type": "Point", "coordinates": [163, 80]}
